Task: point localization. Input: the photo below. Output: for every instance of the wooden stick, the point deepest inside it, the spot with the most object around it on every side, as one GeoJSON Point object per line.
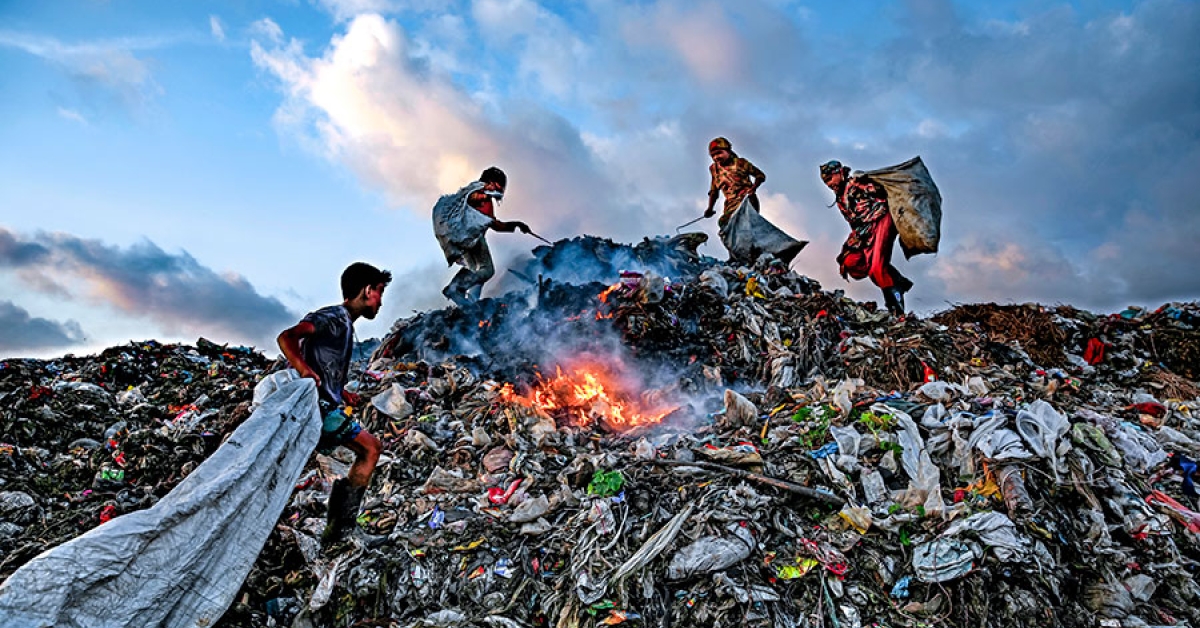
{"type": "Point", "coordinates": [828, 498]}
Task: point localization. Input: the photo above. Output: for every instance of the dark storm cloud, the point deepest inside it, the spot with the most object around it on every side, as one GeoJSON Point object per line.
{"type": "Point", "coordinates": [21, 332]}
{"type": "Point", "coordinates": [174, 290]}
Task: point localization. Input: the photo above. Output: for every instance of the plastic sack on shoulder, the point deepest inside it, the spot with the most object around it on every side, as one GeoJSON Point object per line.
{"type": "Point", "coordinates": [915, 204]}
{"type": "Point", "coordinates": [457, 225]}
{"type": "Point", "coordinates": [748, 236]}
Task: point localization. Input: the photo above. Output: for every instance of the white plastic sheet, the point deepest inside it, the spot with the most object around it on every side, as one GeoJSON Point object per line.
{"type": "Point", "coordinates": [923, 475]}
{"type": "Point", "coordinates": [1043, 427]}
{"type": "Point", "coordinates": [747, 236]}
{"type": "Point", "coordinates": [180, 562]}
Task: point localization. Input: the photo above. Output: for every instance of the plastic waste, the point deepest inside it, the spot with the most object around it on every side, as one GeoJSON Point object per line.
{"type": "Point", "coordinates": [711, 553]}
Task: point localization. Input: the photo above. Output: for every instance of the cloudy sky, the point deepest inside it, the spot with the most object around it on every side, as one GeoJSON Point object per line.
{"type": "Point", "coordinates": [177, 170]}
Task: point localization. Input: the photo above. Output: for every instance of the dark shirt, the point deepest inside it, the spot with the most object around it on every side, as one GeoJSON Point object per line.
{"type": "Point", "coordinates": [328, 349]}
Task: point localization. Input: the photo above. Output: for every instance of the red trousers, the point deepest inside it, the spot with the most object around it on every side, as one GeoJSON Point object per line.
{"type": "Point", "coordinates": [875, 261]}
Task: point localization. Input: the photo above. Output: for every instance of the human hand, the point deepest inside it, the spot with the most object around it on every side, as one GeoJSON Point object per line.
{"type": "Point", "coordinates": [522, 227]}
{"type": "Point", "coordinates": [307, 373]}
{"type": "Point", "coordinates": [710, 212]}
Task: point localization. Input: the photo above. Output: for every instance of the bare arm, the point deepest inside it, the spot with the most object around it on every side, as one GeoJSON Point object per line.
{"type": "Point", "coordinates": [289, 344]}
{"type": "Point", "coordinates": [713, 192]}
{"type": "Point", "coordinates": [509, 227]}
{"type": "Point", "coordinates": [757, 176]}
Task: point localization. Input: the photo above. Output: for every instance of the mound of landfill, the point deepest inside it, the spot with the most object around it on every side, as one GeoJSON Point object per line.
{"type": "Point", "coordinates": [666, 440]}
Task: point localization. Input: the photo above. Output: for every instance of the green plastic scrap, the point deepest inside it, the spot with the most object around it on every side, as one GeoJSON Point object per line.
{"type": "Point", "coordinates": [605, 483]}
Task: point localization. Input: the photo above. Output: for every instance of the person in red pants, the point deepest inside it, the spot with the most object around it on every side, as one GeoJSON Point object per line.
{"type": "Point", "coordinates": [867, 251]}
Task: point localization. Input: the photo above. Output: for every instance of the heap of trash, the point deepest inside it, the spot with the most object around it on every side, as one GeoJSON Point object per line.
{"type": "Point", "coordinates": [662, 439]}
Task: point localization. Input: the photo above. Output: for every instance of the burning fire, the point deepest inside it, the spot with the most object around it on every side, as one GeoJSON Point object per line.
{"type": "Point", "coordinates": [589, 395]}
{"type": "Point", "coordinates": [608, 291]}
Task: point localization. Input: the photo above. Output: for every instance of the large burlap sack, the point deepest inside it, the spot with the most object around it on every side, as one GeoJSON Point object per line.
{"type": "Point", "coordinates": [457, 225]}
{"type": "Point", "coordinates": [747, 236]}
{"type": "Point", "coordinates": [915, 205]}
{"type": "Point", "coordinates": [181, 561]}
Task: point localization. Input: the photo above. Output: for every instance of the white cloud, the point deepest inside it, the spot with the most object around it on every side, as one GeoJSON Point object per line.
{"type": "Point", "coordinates": [601, 113]}
{"type": "Point", "coordinates": [412, 132]}
{"type": "Point", "coordinates": [109, 63]}
{"type": "Point", "coordinates": [266, 28]}
{"type": "Point", "coordinates": [72, 115]}
{"type": "Point", "coordinates": [345, 10]}
{"type": "Point", "coordinates": [701, 36]}
{"type": "Point", "coordinates": [217, 29]}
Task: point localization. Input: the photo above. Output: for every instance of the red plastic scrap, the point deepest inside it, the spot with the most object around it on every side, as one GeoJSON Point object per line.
{"type": "Point", "coordinates": [1094, 354]}
{"type": "Point", "coordinates": [108, 513]}
{"type": "Point", "coordinates": [838, 569]}
{"type": "Point", "coordinates": [498, 495]}
{"type": "Point", "coordinates": [1153, 408]}
{"type": "Point", "coordinates": [1187, 517]}
{"type": "Point", "coordinates": [930, 374]}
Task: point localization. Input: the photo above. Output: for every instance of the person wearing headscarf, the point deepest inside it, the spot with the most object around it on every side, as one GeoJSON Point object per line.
{"type": "Point", "coordinates": [867, 251]}
{"type": "Point", "coordinates": [733, 176]}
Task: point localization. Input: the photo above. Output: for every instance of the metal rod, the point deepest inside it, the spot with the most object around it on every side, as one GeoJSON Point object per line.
{"type": "Point", "coordinates": [688, 223]}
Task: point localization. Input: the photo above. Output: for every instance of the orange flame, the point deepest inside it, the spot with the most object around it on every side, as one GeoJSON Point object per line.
{"type": "Point", "coordinates": [608, 291]}
{"type": "Point", "coordinates": [589, 395]}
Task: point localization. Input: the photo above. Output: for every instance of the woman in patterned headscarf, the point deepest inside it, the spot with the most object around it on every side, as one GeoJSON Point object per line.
{"type": "Point", "coordinates": [733, 176]}
{"type": "Point", "coordinates": [867, 251]}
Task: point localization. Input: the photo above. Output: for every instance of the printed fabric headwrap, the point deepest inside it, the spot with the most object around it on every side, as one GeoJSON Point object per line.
{"type": "Point", "coordinates": [830, 167]}
{"type": "Point", "coordinates": [719, 144]}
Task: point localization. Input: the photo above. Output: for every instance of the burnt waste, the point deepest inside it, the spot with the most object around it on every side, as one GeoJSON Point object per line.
{"type": "Point", "coordinates": [642, 435]}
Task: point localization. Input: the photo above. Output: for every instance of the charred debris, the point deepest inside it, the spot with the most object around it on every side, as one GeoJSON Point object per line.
{"type": "Point", "coordinates": [645, 436]}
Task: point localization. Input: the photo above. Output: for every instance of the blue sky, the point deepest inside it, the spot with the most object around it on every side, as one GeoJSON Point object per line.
{"type": "Point", "coordinates": [172, 170]}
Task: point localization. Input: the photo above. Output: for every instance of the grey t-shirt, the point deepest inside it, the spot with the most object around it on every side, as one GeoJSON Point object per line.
{"type": "Point", "coordinates": [328, 350]}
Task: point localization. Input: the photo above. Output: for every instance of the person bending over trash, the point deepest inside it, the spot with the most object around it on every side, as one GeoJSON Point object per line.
{"type": "Point", "coordinates": [319, 348]}
{"type": "Point", "coordinates": [746, 234]}
{"type": "Point", "coordinates": [867, 251]}
{"type": "Point", "coordinates": [733, 176]}
{"type": "Point", "coordinates": [460, 222]}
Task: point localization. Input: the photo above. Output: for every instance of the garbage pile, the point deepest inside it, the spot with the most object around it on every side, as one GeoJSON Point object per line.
{"type": "Point", "coordinates": [723, 446]}
{"type": "Point", "coordinates": [87, 439]}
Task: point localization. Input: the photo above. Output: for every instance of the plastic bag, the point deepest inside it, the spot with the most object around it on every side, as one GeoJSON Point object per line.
{"type": "Point", "coordinates": [457, 225]}
{"type": "Point", "coordinates": [713, 280]}
{"type": "Point", "coordinates": [915, 205]}
{"type": "Point", "coordinates": [747, 236]}
{"type": "Point", "coordinates": [393, 402]}
{"type": "Point", "coordinates": [995, 531]}
{"type": "Point", "coordinates": [739, 410]}
{"type": "Point", "coordinates": [1042, 427]}
{"type": "Point", "coordinates": [711, 553]}
{"type": "Point", "coordinates": [923, 475]}
{"type": "Point", "coordinates": [180, 562]}
{"type": "Point", "coordinates": [944, 559]}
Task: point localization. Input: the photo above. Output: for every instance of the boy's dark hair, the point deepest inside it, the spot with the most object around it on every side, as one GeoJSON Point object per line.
{"type": "Point", "coordinates": [494, 175]}
{"type": "Point", "coordinates": [359, 275]}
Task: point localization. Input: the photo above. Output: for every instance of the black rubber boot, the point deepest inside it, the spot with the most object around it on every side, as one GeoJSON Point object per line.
{"type": "Point", "coordinates": [344, 501]}
{"type": "Point", "coordinates": [889, 300]}
{"type": "Point", "coordinates": [898, 301]}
